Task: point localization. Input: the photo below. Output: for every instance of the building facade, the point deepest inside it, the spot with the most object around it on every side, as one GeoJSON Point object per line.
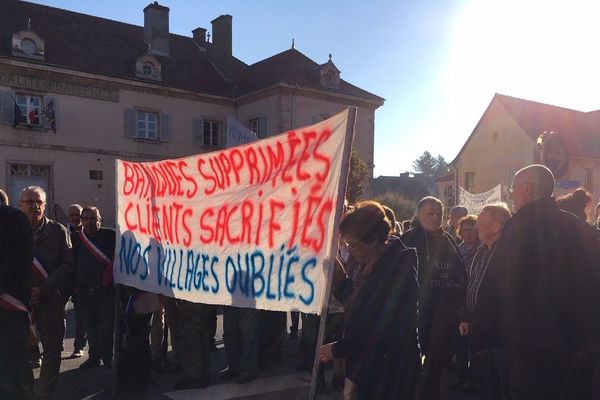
{"type": "Point", "coordinates": [78, 92]}
{"type": "Point", "coordinates": [505, 140]}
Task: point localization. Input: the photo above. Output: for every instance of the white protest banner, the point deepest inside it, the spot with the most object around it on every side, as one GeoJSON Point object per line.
{"type": "Point", "coordinates": [474, 202]}
{"type": "Point", "coordinates": [238, 134]}
{"type": "Point", "coordinates": [250, 226]}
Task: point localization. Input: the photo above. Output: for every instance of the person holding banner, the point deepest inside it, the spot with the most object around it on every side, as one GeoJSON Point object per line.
{"type": "Point", "coordinates": [16, 256]}
{"type": "Point", "coordinates": [442, 282]}
{"type": "Point", "coordinates": [52, 268]}
{"type": "Point", "coordinates": [94, 248]}
{"type": "Point", "coordinates": [379, 342]}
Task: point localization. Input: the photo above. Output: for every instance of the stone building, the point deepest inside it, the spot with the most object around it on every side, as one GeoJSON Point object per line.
{"type": "Point", "coordinates": [78, 92]}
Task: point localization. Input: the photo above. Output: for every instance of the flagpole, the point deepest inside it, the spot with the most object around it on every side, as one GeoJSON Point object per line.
{"type": "Point", "coordinates": [343, 183]}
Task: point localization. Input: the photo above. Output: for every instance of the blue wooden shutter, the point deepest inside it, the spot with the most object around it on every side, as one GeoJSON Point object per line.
{"type": "Point", "coordinates": [198, 131]}
{"type": "Point", "coordinates": [7, 107]}
{"type": "Point", "coordinates": [165, 128]}
{"type": "Point", "coordinates": [130, 123]}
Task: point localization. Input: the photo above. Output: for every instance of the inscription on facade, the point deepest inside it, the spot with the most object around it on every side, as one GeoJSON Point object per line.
{"type": "Point", "coordinates": [51, 85]}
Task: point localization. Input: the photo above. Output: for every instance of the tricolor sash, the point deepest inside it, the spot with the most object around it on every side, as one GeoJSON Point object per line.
{"type": "Point", "coordinates": [96, 252]}
{"type": "Point", "coordinates": [38, 268]}
{"type": "Point", "coordinates": [12, 304]}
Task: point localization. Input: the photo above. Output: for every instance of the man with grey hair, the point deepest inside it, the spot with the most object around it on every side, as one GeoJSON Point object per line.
{"type": "Point", "coordinates": [489, 226]}
{"type": "Point", "coordinates": [74, 216]}
{"type": "Point", "coordinates": [52, 268]}
{"type": "Point", "coordinates": [536, 300]}
{"type": "Point", "coordinates": [441, 278]}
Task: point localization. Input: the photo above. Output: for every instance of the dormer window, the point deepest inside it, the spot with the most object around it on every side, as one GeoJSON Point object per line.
{"type": "Point", "coordinates": [329, 75]}
{"type": "Point", "coordinates": [27, 44]}
{"type": "Point", "coordinates": [148, 67]}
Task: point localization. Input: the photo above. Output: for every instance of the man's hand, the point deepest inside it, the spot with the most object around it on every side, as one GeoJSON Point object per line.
{"type": "Point", "coordinates": [36, 294]}
{"type": "Point", "coordinates": [326, 352]}
{"type": "Point", "coordinates": [463, 328]}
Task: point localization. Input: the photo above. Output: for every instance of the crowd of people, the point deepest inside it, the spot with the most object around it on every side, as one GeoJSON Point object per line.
{"type": "Point", "coordinates": [508, 297]}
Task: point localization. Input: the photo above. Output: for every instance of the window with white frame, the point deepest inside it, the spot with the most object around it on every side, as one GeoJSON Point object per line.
{"type": "Point", "coordinates": [146, 125]}
{"type": "Point", "coordinates": [211, 133]}
{"type": "Point", "coordinates": [30, 108]}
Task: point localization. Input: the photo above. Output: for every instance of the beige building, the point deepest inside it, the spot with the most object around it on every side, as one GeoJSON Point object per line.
{"type": "Point", "coordinates": [504, 140]}
{"type": "Point", "coordinates": [78, 92]}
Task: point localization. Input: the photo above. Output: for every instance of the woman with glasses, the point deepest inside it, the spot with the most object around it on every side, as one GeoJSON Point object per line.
{"type": "Point", "coordinates": [379, 342]}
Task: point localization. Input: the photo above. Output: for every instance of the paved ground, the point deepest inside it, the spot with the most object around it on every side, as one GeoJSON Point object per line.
{"type": "Point", "coordinates": [279, 380]}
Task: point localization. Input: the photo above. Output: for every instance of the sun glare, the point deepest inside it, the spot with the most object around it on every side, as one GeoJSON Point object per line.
{"type": "Point", "coordinates": [540, 50]}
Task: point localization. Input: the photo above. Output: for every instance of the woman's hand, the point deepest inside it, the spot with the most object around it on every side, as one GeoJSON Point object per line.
{"type": "Point", "coordinates": [326, 352]}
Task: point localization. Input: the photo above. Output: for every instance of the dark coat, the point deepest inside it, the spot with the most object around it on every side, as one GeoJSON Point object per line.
{"type": "Point", "coordinates": [441, 273]}
{"type": "Point", "coordinates": [53, 247]}
{"type": "Point", "coordinates": [380, 339]}
{"type": "Point", "coordinates": [16, 254]}
{"type": "Point", "coordinates": [542, 284]}
{"type": "Point", "coordinates": [88, 270]}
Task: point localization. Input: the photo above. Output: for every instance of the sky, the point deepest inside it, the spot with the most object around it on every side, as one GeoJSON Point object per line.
{"type": "Point", "coordinates": [437, 63]}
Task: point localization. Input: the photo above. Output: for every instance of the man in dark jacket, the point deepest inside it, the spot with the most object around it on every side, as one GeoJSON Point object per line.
{"type": "Point", "coordinates": [537, 299]}
{"type": "Point", "coordinates": [16, 255]}
{"type": "Point", "coordinates": [442, 282]}
{"type": "Point", "coordinates": [94, 250]}
{"type": "Point", "coordinates": [52, 269]}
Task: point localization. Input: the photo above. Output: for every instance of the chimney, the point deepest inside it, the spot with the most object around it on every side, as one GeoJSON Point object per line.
{"type": "Point", "coordinates": [221, 36]}
{"type": "Point", "coordinates": [199, 35]}
{"type": "Point", "coordinates": [156, 28]}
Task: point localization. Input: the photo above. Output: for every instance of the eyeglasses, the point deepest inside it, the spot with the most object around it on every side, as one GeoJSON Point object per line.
{"type": "Point", "coordinates": [31, 202]}
{"type": "Point", "coordinates": [352, 244]}
{"type": "Point", "coordinates": [512, 188]}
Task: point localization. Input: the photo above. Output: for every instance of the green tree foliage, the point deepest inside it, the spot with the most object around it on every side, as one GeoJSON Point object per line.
{"type": "Point", "coordinates": [430, 165]}
{"type": "Point", "coordinates": [403, 207]}
{"type": "Point", "coordinates": [358, 178]}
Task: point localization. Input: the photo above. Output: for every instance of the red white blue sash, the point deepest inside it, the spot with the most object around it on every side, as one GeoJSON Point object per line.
{"type": "Point", "coordinates": [38, 269]}
{"type": "Point", "coordinates": [12, 304]}
{"type": "Point", "coordinates": [96, 252]}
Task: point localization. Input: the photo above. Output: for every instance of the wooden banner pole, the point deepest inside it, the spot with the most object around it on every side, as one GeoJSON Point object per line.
{"type": "Point", "coordinates": [334, 244]}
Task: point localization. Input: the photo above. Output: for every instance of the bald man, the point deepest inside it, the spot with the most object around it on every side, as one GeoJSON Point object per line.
{"type": "Point", "coordinates": [537, 298]}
